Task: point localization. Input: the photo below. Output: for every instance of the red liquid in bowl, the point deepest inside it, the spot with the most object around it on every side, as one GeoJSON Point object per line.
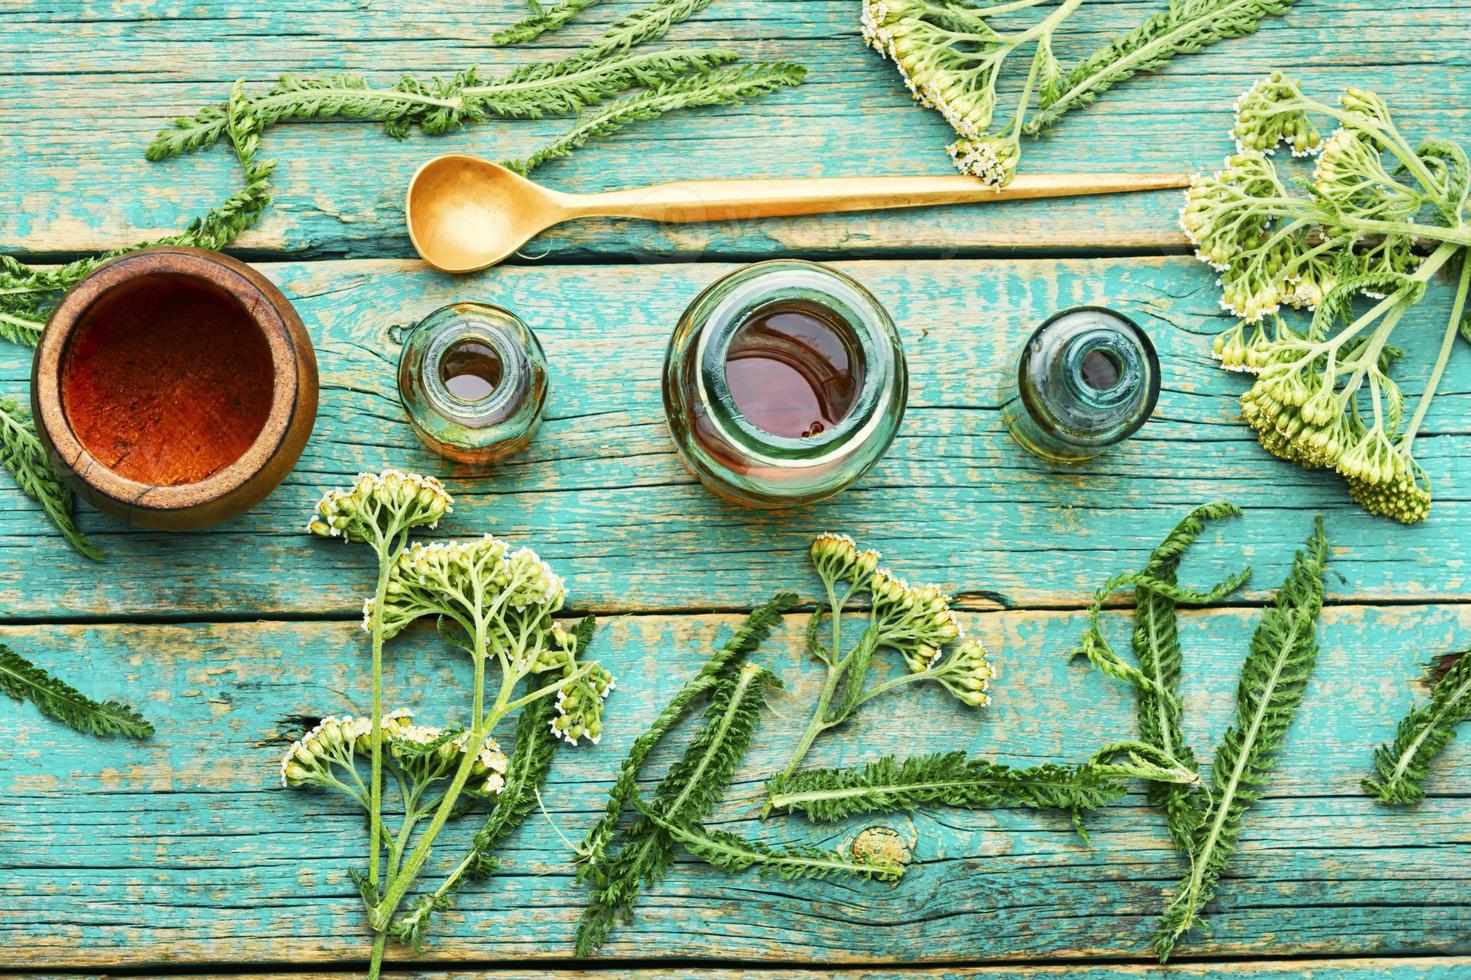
{"type": "Point", "coordinates": [166, 380]}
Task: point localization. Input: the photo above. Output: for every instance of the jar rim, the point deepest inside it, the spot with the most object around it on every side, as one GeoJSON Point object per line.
{"type": "Point", "coordinates": [1077, 347]}
{"type": "Point", "coordinates": [758, 286]}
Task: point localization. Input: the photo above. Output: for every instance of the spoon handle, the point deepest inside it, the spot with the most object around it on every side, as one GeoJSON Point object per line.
{"type": "Point", "coordinates": [724, 200]}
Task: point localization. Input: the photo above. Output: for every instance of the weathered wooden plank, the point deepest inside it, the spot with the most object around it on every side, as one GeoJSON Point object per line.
{"type": "Point", "coordinates": [183, 849]}
{"type": "Point", "coordinates": [87, 84]}
{"type": "Point", "coordinates": [1410, 967]}
{"type": "Point", "coordinates": [602, 494]}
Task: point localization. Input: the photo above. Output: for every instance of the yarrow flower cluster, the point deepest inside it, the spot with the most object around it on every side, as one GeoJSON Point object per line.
{"type": "Point", "coordinates": [1323, 397]}
{"type": "Point", "coordinates": [914, 621]}
{"type": "Point", "coordinates": [328, 753]}
{"type": "Point", "coordinates": [950, 59]}
{"type": "Point", "coordinates": [580, 707]}
{"type": "Point", "coordinates": [377, 502]}
{"type": "Point", "coordinates": [462, 578]}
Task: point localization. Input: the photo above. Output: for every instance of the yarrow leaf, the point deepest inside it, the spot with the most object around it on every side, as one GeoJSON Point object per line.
{"type": "Point", "coordinates": [24, 681]}
{"type": "Point", "coordinates": [693, 786]}
{"type": "Point", "coordinates": [950, 779]}
{"type": "Point", "coordinates": [729, 852]}
{"type": "Point", "coordinates": [719, 669]}
{"type": "Point", "coordinates": [1400, 768]}
{"type": "Point", "coordinates": [1274, 678]}
{"type": "Point", "coordinates": [23, 456]}
{"type": "Point", "coordinates": [1186, 26]}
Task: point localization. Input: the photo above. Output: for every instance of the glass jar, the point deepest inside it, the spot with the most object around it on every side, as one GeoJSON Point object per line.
{"type": "Point", "coordinates": [1086, 380]}
{"type": "Point", "coordinates": [783, 383]}
{"type": "Point", "coordinates": [473, 379]}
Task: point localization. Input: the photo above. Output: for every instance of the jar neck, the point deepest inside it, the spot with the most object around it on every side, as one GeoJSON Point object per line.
{"type": "Point", "coordinates": [865, 333]}
{"type": "Point", "coordinates": [502, 401]}
{"type": "Point", "coordinates": [1089, 377]}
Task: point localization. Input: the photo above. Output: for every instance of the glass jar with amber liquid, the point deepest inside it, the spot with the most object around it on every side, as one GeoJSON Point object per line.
{"type": "Point", "coordinates": [784, 383]}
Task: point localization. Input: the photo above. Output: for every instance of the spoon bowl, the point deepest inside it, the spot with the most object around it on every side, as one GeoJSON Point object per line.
{"type": "Point", "coordinates": [466, 214]}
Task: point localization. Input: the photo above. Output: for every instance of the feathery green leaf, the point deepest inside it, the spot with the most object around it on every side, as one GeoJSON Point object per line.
{"type": "Point", "coordinates": [1400, 767]}
{"type": "Point", "coordinates": [721, 86]}
{"type": "Point", "coordinates": [1156, 643]}
{"type": "Point", "coordinates": [22, 454]}
{"type": "Point", "coordinates": [951, 779]}
{"type": "Point", "coordinates": [645, 24]}
{"type": "Point", "coordinates": [24, 681]}
{"type": "Point", "coordinates": [592, 855]}
{"type": "Point", "coordinates": [727, 851]}
{"type": "Point", "coordinates": [1284, 650]}
{"type": "Point", "coordinates": [1185, 27]}
{"type": "Point", "coordinates": [1157, 586]}
{"type": "Point", "coordinates": [542, 20]}
{"type": "Point", "coordinates": [692, 788]}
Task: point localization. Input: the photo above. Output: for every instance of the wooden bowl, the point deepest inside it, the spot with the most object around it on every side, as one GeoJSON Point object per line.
{"type": "Point", "coordinates": [174, 387]}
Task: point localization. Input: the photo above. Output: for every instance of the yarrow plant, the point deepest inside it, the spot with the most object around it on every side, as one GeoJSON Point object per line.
{"type": "Point", "coordinates": [495, 603]}
{"type": "Point", "coordinates": [1323, 396]}
{"type": "Point", "coordinates": [951, 54]}
{"type": "Point", "coordinates": [915, 622]}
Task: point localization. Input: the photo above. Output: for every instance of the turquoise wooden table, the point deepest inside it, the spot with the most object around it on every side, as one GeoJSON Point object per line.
{"type": "Point", "coordinates": [182, 854]}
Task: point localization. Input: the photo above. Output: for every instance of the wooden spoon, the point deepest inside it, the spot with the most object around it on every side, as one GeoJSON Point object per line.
{"type": "Point", "coordinates": [466, 214]}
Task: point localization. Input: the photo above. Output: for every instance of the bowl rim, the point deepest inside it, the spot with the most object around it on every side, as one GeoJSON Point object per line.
{"type": "Point", "coordinates": [262, 302]}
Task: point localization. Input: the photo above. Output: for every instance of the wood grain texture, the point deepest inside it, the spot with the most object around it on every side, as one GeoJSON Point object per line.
{"type": "Point", "coordinates": [184, 849]}
{"type": "Point", "coordinates": [86, 85]}
{"type": "Point", "coordinates": [1409, 967]}
{"type": "Point", "coordinates": [184, 853]}
{"type": "Point", "coordinates": [602, 495]}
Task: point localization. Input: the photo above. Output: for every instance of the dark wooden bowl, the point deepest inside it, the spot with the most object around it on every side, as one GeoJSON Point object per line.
{"type": "Point", "coordinates": [267, 380]}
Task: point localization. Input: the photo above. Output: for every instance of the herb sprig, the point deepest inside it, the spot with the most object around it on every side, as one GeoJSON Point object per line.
{"type": "Point", "coordinates": [952, 54]}
{"type": "Point", "coordinates": [24, 681]}
{"type": "Point", "coordinates": [495, 604]}
{"type": "Point", "coordinates": [915, 623]}
{"type": "Point", "coordinates": [1400, 768]}
{"type": "Point", "coordinates": [1323, 397]}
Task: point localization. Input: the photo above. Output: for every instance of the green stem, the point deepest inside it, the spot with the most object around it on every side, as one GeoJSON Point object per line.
{"type": "Point", "coordinates": [375, 965]}
{"type": "Point", "coordinates": [375, 732]}
{"type": "Point", "coordinates": [399, 885]}
{"type": "Point", "coordinates": [818, 723]}
{"type": "Point", "coordinates": [1458, 309]}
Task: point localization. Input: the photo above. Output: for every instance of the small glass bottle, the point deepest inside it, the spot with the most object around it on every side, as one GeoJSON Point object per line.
{"type": "Point", "coordinates": [1086, 380]}
{"type": "Point", "coordinates": [783, 383]}
{"type": "Point", "coordinates": [473, 379]}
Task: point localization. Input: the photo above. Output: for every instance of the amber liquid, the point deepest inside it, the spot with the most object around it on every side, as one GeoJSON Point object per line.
{"type": "Point", "coordinates": [167, 381]}
{"type": "Point", "coordinates": [794, 369]}
{"type": "Point", "coordinates": [471, 370]}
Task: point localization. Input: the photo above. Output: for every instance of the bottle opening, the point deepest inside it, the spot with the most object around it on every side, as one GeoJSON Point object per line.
{"type": "Point", "coordinates": [471, 370]}
{"type": "Point", "coordinates": [794, 369]}
{"type": "Point", "coordinates": [1101, 369]}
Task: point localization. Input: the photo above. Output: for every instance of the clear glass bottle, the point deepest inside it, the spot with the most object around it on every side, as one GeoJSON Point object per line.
{"type": "Point", "coordinates": [783, 383]}
{"type": "Point", "coordinates": [473, 379]}
{"type": "Point", "coordinates": [1086, 380]}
